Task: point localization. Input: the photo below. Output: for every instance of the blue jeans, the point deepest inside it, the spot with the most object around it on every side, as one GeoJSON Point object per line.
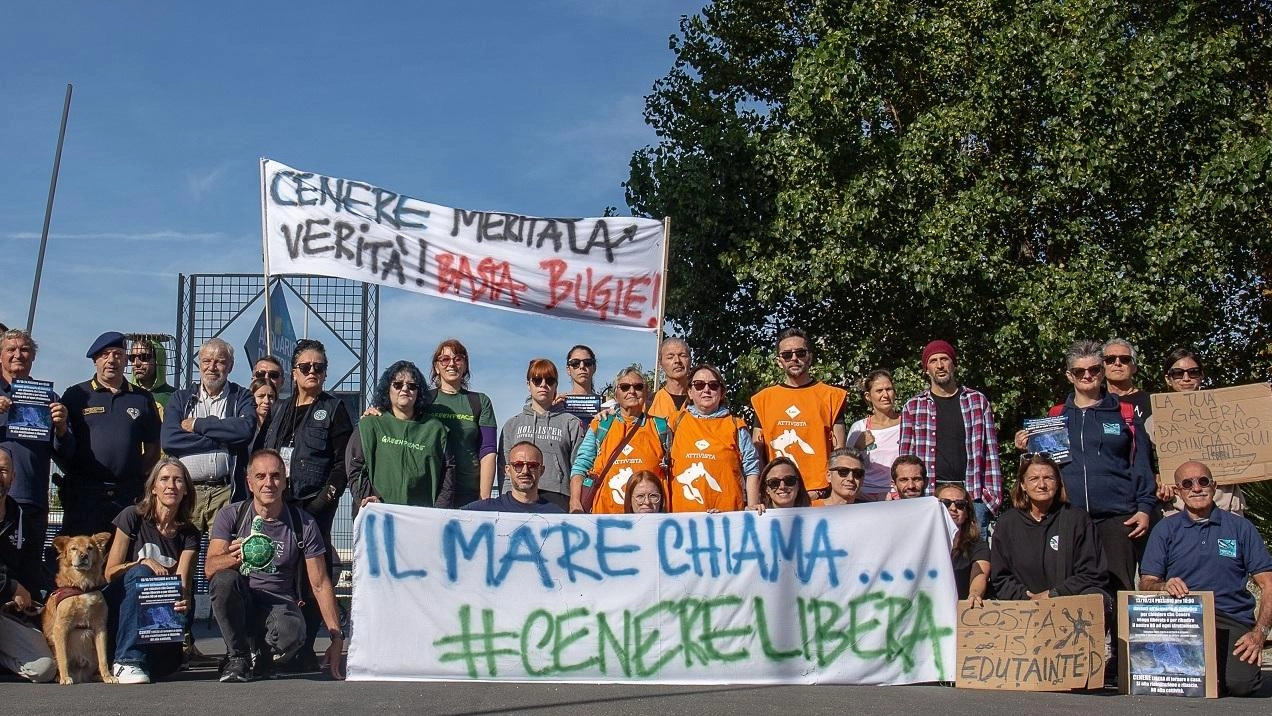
{"type": "Point", "coordinates": [984, 518]}
{"type": "Point", "coordinates": [158, 659]}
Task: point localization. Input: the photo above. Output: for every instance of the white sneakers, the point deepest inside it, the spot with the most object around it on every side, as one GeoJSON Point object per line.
{"type": "Point", "coordinates": [130, 674]}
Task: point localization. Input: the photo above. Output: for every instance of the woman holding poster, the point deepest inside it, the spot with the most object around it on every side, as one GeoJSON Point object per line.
{"type": "Point", "coordinates": [615, 448]}
{"type": "Point", "coordinates": [153, 538]}
{"type": "Point", "coordinates": [711, 453]}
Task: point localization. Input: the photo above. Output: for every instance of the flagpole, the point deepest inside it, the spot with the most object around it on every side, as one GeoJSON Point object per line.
{"type": "Point", "coordinates": [662, 298]}
{"type": "Point", "coordinates": [48, 211]}
{"type": "Point", "coordinates": [269, 325]}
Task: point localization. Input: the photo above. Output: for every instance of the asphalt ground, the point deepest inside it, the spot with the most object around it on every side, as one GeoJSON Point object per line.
{"type": "Point", "coordinates": [198, 692]}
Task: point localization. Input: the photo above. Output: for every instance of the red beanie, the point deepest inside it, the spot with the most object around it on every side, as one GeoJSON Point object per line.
{"type": "Point", "coordinates": [938, 346]}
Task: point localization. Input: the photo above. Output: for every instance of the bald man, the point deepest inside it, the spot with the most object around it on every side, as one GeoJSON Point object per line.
{"type": "Point", "coordinates": [1207, 549]}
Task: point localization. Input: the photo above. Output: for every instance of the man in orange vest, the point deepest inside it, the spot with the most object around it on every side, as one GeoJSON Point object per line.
{"type": "Point", "coordinates": [674, 357]}
{"type": "Point", "coordinates": [801, 418]}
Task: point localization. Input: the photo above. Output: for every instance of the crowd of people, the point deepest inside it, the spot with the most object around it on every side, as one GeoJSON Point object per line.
{"type": "Point", "coordinates": [159, 467]}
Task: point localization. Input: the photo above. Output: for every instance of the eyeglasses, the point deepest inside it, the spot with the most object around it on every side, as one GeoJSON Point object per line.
{"type": "Point", "coordinates": [855, 473]}
{"type": "Point", "coordinates": [625, 387]}
{"type": "Point", "coordinates": [956, 504]}
{"type": "Point", "coordinates": [1202, 482]}
{"type": "Point", "coordinates": [775, 482]}
{"type": "Point", "coordinates": [1093, 371]}
{"type": "Point", "coordinates": [525, 466]}
{"type": "Point", "coordinates": [406, 385]}
{"type": "Point", "coordinates": [271, 374]}
{"type": "Point", "coordinates": [140, 357]}
{"type": "Point", "coordinates": [447, 360]}
{"type": "Point", "coordinates": [581, 362]}
{"type": "Point", "coordinates": [1118, 359]}
{"type": "Point", "coordinates": [314, 368]}
{"type": "Point", "coordinates": [543, 380]}
{"type": "Point", "coordinates": [797, 353]}
{"type": "Point", "coordinates": [1177, 373]}
{"type": "Point", "coordinates": [652, 498]}
{"type": "Point", "coordinates": [713, 385]}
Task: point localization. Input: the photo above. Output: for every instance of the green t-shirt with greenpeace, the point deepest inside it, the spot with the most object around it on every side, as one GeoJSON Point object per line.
{"type": "Point", "coordinates": [456, 413]}
{"type": "Point", "coordinates": [404, 459]}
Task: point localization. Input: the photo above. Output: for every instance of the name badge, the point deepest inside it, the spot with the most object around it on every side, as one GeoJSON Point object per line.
{"type": "Point", "coordinates": [286, 454]}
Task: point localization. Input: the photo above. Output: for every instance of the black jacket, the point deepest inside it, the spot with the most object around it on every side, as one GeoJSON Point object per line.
{"type": "Point", "coordinates": [317, 461]}
{"type": "Point", "coordinates": [1060, 553]}
{"type": "Point", "coordinates": [13, 571]}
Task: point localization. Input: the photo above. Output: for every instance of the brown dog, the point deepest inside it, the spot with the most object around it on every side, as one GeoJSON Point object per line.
{"type": "Point", "coordinates": [75, 613]}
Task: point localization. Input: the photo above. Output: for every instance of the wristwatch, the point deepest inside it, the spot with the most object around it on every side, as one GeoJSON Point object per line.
{"type": "Point", "coordinates": [1262, 630]}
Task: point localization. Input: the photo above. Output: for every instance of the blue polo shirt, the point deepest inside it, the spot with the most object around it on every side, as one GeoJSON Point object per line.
{"type": "Point", "coordinates": [1217, 555]}
{"type": "Point", "coordinates": [109, 429]}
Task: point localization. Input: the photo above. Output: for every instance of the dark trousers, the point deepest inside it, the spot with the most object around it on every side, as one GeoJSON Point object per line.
{"type": "Point", "coordinates": [324, 516]}
{"type": "Point", "coordinates": [1236, 677]}
{"type": "Point", "coordinates": [35, 529]}
{"type": "Point", "coordinates": [1121, 553]}
{"type": "Point", "coordinates": [250, 618]}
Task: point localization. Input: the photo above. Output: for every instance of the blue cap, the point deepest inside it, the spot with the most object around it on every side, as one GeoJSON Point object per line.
{"type": "Point", "coordinates": [109, 339]}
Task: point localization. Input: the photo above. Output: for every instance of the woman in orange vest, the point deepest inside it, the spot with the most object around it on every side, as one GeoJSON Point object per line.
{"type": "Point", "coordinates": [711, 452]}
{"type": "Point", "coordinates": [616, 447]}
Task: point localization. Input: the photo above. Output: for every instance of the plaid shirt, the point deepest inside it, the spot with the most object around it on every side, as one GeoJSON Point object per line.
{"type": "Point", "coordinates": [984, 479]}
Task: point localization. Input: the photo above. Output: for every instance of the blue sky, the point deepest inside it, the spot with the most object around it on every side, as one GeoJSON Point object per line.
{"type": "Point", "coordinates": [532, 108]}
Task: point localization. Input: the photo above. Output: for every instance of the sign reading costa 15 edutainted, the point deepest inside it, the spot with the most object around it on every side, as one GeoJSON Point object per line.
{"type": "Point", "coordinates": [602, 269]}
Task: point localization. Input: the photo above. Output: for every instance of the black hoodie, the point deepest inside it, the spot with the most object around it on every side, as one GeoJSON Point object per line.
{"type": "Point", "coordinates": [1061, 553]}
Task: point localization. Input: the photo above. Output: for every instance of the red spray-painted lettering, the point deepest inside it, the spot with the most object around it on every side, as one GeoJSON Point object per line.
{"type": "Point", "coordinates": [605, 295]}
{"type": "Point", "coordinates": [488, 282]}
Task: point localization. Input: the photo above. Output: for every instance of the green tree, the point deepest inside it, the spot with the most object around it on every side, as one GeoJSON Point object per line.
{"type": "Point", "coordinates": [1010, 176]}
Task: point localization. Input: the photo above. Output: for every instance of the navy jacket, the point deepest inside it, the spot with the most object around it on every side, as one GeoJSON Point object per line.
{"type": "Point", "coordinates": [1104, 477]}
{"type": "Point", "coordinates": [234, 432]}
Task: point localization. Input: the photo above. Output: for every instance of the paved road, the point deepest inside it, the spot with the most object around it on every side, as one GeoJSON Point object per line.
{"type": "Point", "coordinates": [197, 692]}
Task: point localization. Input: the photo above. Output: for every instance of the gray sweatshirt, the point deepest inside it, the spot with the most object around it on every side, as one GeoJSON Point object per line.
{"type": "Point", "coordinates": [557, 433]}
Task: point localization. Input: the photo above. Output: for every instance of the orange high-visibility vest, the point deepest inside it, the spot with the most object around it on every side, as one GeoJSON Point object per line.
{"type": "Point", "coordinates": [706, 465]}
{"type": "Point", "coordinates": [797, 423]}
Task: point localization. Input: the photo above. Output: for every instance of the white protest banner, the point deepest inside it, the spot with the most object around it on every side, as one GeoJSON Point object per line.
{"type": "Point", "coordinates": [838, 595]}
{"type": "Point", "coordinates": [602, 269]}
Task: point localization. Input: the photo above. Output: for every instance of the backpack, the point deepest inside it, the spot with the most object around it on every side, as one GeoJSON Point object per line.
{"type": "Point", "coordinates": [293, 513]}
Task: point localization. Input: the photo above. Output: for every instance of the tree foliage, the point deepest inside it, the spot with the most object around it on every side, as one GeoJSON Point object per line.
{"type": "Point", "coordinates": [1010, 176]}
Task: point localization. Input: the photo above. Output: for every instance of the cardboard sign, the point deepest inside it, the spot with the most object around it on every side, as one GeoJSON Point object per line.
{"type": "Point", "coordinates": [1229, 429]}
{"type": "Point", "coordinates": [1166, 644]}
{"type": "Point", "coordinates": [1045, 645]}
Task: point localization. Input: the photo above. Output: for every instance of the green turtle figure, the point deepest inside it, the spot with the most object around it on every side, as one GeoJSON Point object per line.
{"type": "Point", "coordinates": [258, 549]}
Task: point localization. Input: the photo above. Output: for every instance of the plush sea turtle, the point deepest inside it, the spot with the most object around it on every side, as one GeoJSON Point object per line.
{"type": "Point", "coordinates": [258, 549]}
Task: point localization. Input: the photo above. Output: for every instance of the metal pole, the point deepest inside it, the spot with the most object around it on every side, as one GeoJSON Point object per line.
{"type": "Point", "coordinates": [48, 211]}
{"type": "Point", "coordinates": [269, 326]}
{"type": "Point", "coordinates": [662, 298]}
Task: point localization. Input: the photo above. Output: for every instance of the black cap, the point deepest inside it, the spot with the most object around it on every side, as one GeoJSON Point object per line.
{"type": "Point", "coordinates": [109, 339]}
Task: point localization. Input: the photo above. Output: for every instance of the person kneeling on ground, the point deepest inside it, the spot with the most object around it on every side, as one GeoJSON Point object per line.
{"type": "Point", "coordinates": [22, 646]}
{"type": "Point", "coordinates": [1205, 549]}
{"type": "Point", "coordinates": [253, 567]}
{"type": "Point", "coordinates": [154, 538]}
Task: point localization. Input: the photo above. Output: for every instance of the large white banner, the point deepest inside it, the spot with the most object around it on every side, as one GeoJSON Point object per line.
{"type": "Point", "coordinates": [843, 595]}
{"type": "Point", "coordinates": [602, 269]}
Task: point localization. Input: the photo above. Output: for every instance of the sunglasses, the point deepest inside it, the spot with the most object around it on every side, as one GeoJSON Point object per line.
{"type": "Point", "coordinates": [713, 385]}
{"type": "Point", "coordinates": [581, 362]}
{"type": "Point", "coordinates": [625, 387]}
{"type": "Point", "coordinates": [797, 353]}
{"type": "Point", "coordinates": [406, 385]}
{"type": "Point", "coordinates": [140, 357]}
{"type": "Point", "coordinates": [1027, 456]}
{"type": "Point", "coordinates": [855, 473]}
{"type": "Point", "coordinates": [525, 466]}
{"type": "Point", "coordinates": [1119, 360]}
{"type": "Point", "coordinates": [775, 482]}
{"type": "Point", "coordinates": [1093, 371]}
{"type": "Point", "coordinates": [271, 374]}
{"type": "Point", "coordinates": [1177, 373]}
{"type": "Point", "coordinates": [448, 360]}
{"type": "Point", "coordinates": [956, 504]}
{"type": "Point", "coordinates": [543, 380]}
{"type": "Point", "coordinates": [1187, 482]}
{"type": "Point", "coordinates": [312, 368]}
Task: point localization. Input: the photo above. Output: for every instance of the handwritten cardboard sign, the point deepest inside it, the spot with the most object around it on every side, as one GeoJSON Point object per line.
{"type": "Point", "coordinates": [1229, 429]}
{"type": "Point", "coordinates": [860, 595]}
{"type": "Point", "coordinates": [1045, 645]}
{"type": "Point", "coordinates": [1166, 644]}
{"type": "Point", "coordinates": [607, 269]}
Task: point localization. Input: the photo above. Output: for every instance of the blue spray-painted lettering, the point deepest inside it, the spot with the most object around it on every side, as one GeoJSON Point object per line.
{"type": "Point", "coordinates": [523, 547]}
{"type": "Point", "coordinates": [573, 541]}
{"type": "Point", "coordinates": [821, 549]}
{"type": "Point", "coordinates": [373, 549]}
{"type": "Point", "coordinates": [678, 540]}
{"type": "Point", "coordinates": [390, 553]}
{"type": "Point", "coordinates": [604, 549]}
{"type": "Point", "coordinates": [453, 539]}
{"type": "Point", "coordinates": [749, 549]}
{"type": "Point", "coordinates": [705, 545]}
